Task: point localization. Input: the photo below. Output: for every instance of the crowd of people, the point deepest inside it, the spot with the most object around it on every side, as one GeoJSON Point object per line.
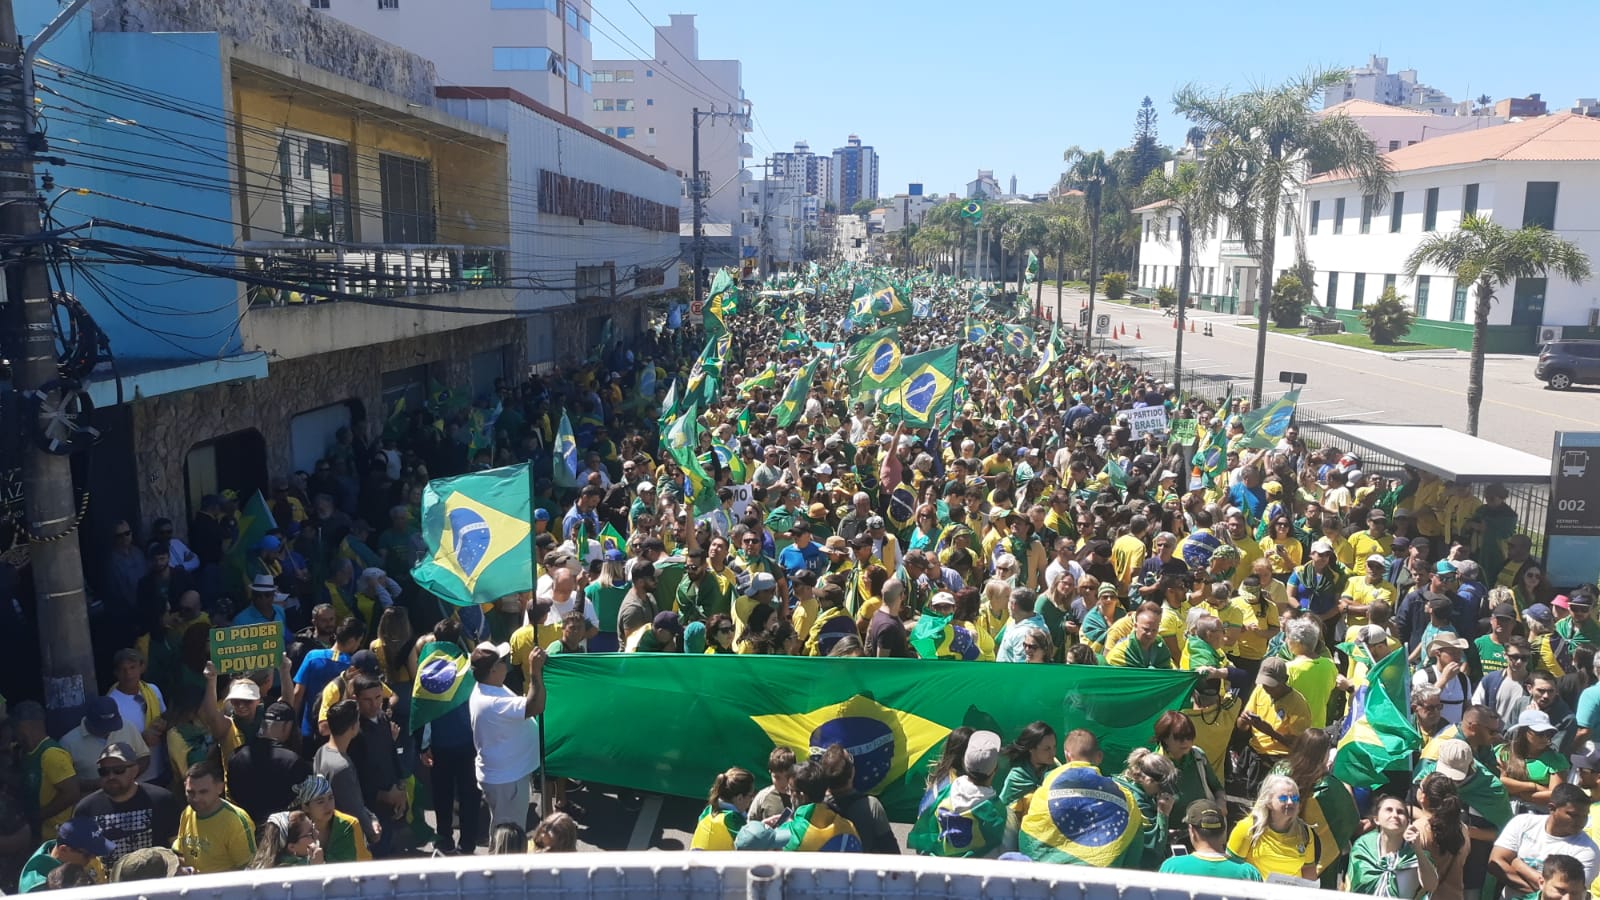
{"type": "Point", "coordinates": [1025, 522]}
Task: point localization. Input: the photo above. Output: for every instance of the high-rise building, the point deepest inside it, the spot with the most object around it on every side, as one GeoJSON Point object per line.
{"type": "Point", "coordinates": [853, 174]}
{"type": "Point", "coordinates": [539, 48]}
{"type": "Point", "coordinates": [1376, 83]}
{"type": "Point", "coordinates": [650, 106]}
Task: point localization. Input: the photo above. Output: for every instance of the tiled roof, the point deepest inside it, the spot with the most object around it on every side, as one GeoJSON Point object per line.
{"type": "Point", "coordinates": [1559, 138]}
{"type": "Point", "coordinates": [1369, 108]}
{"type": "Point", "coordinates": [1148, 207]}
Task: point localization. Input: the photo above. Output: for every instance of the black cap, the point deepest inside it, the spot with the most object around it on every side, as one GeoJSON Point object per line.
{"type": "Point", "coordinates": [279, 712]}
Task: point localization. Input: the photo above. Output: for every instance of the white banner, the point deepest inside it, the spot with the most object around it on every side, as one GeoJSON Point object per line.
{"type": "Point", "coordinates": [1145, 420]}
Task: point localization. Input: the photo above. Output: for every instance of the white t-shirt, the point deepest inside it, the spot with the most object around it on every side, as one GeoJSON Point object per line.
{"type": "Point", "coordinates": [1053, 572]}
{"type": "Point", "coordinates": [1525, 836]}
{"type": "Point", "coordinates": [507, 740]}
{"type": "Point", "coordinates": [133, 717]}
{"type": "Point", "coordinates": [559, 609]}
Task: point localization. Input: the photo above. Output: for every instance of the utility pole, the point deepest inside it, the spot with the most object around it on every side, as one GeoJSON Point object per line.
{"type": "Point", "coordinates": [698, 195]}
{"type": "Point", "coordinates": [49, 505]}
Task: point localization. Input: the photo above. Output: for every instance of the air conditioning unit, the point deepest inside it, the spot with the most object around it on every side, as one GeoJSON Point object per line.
{"type": "Point", "coordinates": [1546, 335]}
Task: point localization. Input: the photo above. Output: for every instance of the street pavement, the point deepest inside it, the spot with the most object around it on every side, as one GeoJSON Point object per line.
{"type": "Point", "coordinates": [1352, 385]}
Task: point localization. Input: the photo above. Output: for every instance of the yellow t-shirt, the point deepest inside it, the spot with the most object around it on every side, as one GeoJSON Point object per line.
{"type": "Point", "coordinates": [1274, 853]}
{"type": "Point", "coordinates": [1252, 644]}
{"type": "Point", "coordinates": [1289, 717]}
{"type": "Point", "coordinates": [1119, 631]}
{"type": "Point", "coordinates": [805, 612]}
{"type": "Point", "coordinates": [55, 766]}
{"type": "Point", "coordinates": [333, 692]}
{"type": "Point", "coordinates": [1249, 552]}
{"type": "Point", "coordinates": [1289, 561]}
{"type": "Point", "coordinates": [221, 842]}
{"type": "Point", "coordinates": [1364, 544]}
{"type": "Point", "coordinates": [1128, 553]}
{"type": "Point", "coordinates": [524, 639]}
{"type": "Point", "coordinates": [1171, 623]}
{"type": "Point", "coordinates": [1363, 593]}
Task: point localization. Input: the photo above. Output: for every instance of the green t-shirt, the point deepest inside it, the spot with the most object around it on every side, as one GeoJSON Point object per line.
{"type": "Point", "coordinates": [1491, 656]}
{"type": "Point", "coordinates": [1540, 769]}
{"type": "Point", "coordinates": [1210, 866]}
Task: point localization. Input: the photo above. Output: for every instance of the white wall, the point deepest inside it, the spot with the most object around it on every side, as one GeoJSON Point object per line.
{"type": "Point", "coordinates": [542, 241]}
{"type": "Point", "coordinates": [1502, 187]}
{"type": "Point", "coordinates": [1408, 129]}
{"type": "Point", "coordinates": [459, 36]}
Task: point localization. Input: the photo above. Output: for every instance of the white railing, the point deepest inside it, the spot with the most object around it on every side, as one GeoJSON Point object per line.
{"type": "Point", "coordinates": [754, 876]}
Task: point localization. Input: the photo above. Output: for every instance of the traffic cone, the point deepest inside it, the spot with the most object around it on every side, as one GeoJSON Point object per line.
{"type": "Point", "coordinates": [1174, 323]}
{"type": "Point", "coordinates": [1191, 326]}
{"type": "Point", "coordinates": [1136, 334]}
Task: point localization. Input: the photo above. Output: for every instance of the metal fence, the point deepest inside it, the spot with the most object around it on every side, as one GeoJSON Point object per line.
{"type": "Point", "coordinates": [1531, 501]}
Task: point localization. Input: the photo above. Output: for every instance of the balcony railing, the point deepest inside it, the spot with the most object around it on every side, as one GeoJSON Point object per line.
{"type": "Point", "coordinates": [325, 272]}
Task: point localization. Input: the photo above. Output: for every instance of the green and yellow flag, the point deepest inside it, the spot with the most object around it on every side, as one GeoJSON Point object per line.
{"type": "Point", "coordinates": [766, 378]}
{"type": "Point", "coordinates": [1079, 817]}
{"type": "Point", "coordinates": [1016, 340]}
{"type": "Point", "coordinates": [714, 317]}
{"type": "Point", "coordinates": [1052, 354]}
{"type": "Point", "coordinates": [255, 520]}
{"type": "Point", "coordinates": [477, 532]}
{"type": "Point", "coordinates": [879, 368]}
{"type": "Point", "coordinates": [1264, 427]}
{"type": "Point", "coordinates": [1379, 736]}
{"type": "Point", "coordinates": [893, 715]}
{"type": "Point", "coordinates": [565, 457]}
{"type": "Point", "coordinates": [927, 388]}
{"type": "Point", "coordinates": [682, 441]}
{"type": "Point", "coordinates": [443, 682]}
{"type": "Point", "coordinates": [793, 404]}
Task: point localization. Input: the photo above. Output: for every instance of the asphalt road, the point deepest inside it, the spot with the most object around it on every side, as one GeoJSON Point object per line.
{"type": "Point", "coordinates": [1424, 388]}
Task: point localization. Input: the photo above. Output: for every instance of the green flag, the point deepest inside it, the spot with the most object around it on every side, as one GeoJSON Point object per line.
{"type": "Point", "coordinates": [1052, 354]}
{"type": "Point", "coordinates": [892, 714]}
{"type": "Point", "coordinates": [714, 316]}
{"type": "Point", "coordinates": [1379, 737]}
{"type": "Point", "coordinates": [443, 682]}
{"type": "Point", "coordinates": [793, 404]}
{"type": "Point", "coordinates": [681, 441]}
{"type": "Point", "coordinates": [670, 404]}
{"type": "Point", "coordinates": [879, 367]}
{"type": "Point", "coordinates": [949, 829]}
{"type": "Point", "coordinates": [856, 356]}
{"type": "Point", "coordinates": [1211, 457]}
{"type": "Point", "coordinates": [791, 341]}
{"type": "Point", "coordinates": [477, 533]}
{"type": "Point", "coordinates": [927, 386]}
{"type": "Point", "coordinates": [1016, 340]}
{"type": "Point", "coordinates": [565, 457]}
{"type": "Point", "coordinates": [974, 331]}
{"type": "Point", "coordinates": [1264, 427]}
{"type": "Point", "coordinates": [766, 378]}
{"type": "Point", "coordinates": [1118, 478]}
{"type": "Point", "coordinates": [255, 520]}
{"type": "Point", "coordinates": [741, 422]}
{"type": "Point", "coordinates": [973, 212]}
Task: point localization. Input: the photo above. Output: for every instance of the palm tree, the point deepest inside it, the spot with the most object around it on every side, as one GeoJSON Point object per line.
{"type": "Point", "coordinates": [1088, 171]}
{"type": "Point", "coordinates": [1264, 143]}
{"type": "Point", "coordinates": [1491, 256]}
{"type": "Point", "coordinates": [1197, 206]}
{"type": "Point", "coordinates": [1063, 235]}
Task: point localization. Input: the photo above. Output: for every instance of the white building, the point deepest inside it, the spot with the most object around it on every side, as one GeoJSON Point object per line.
{"type": "Point", "coordinates": [540, 48]}
{"type": "Point", "coordinates": [779, 209]}
{"type": "Point", "coordinates": [650, 106]}
{"type": "Point", "coordinates": [1543, 171]}
{"type": "Point", "coordinates": [907, 209]}
{"type": "Point", "coordinates": [852, 175]}
{"type": "Point", "coordinates": [984, 187]}
{"type": "Point", "coordinates": [1393, 127]}
{"type": "Point", "coordinates": [1375, 83]}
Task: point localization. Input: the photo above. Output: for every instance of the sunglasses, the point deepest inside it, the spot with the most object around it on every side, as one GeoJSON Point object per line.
{"type": "Point", "coordinates": [1029, 646]}
{"type": "Point", "coordinates": [113, 770]}
{"type": "Point", "coordinates": [1516, 657]}
{"type": "Point", "coordinates": [724, 631]}
{"type": "Point", "coordinates": [1288, 798]}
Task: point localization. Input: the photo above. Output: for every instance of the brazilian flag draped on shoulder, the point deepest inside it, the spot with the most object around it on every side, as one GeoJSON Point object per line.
{"type": "Point", "coordinates": [477, 532]}
{"type": "Point", "coordinates": [443, 682]}
{"type": "Point", "coordinates": [1079, 817]}
{"type": "Point", "coordinates": [566, 455]}
{"type": "Point", "coordinates": [927, 387]}
{"type": "Point", "coordinates": [1379, 737]}
{"type": "Point", "coordinates": [1264, 427]}
{"type": "Point", "coordinates": [714, 316]}
{"type": "Point", "coordinates": [681, 440]}
{"type": "Point", "coordinates": [893, 715]}
{"type": "Point", "coordinates": [1016, 340]}
{"type": "Point", "coordinates": [950, 827]}
{"type": "Point", "coordinates": [793, 403]}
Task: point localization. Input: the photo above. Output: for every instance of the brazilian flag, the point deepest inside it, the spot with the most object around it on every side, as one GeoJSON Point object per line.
{"type": "Point", "coordinates": [855, 358]}
{"type": "Point", "coordinates": [478, 537]}
{"type": "Point", "coordinates": [443, 682]}
{"type": "Point", "coordinates": [793, 403]}
{"type": "Point", "coordinates": [766, 378]}
{"type": "Point", "coordinates": [974, 331]}
{"type": "Point", "coordinates": [1079, 817]}
{"type": "Point", "coordinates": [681, 440]}
{"type": "Point", "coordinates": [670, 404]}
{"type": "Point", "coordinates": [893, 715]}
{"type": "Point", "coordinates": [790, 341]}
{"type": "Point", "coordinates": [741, 422]}
{"type": "Point", "coordinates": [1048, 360]}
{"type": "Point", "coordinates": [973, 212]}
{"type": "Point", "coordinates": [714, 317]}
{"type": "Point", "coordinates": [878, 299]}
{"type": "Point", "coordinates": [927, 388]}
{"type": "Point", "coordinates": [1379, 737]}
{"type": "Point", "coordinates": [1016, 340]}
{"type": "Point", "coordinates": [566, 455]}
{"type": "Point", "coordinates": [731, 461]}
{"type": "Point", "coordinates": [880, 366]}
{"type": "Point", "coordinates": [949, 829]}
{"type": "Point", "coordinates": [255, 520]}
{"type": "Point", "coordinates": [939, 637]}
{"type": "Point", "coordinates": [1264, 427]}
{"type": "Point", "coordinates": [818, 829]}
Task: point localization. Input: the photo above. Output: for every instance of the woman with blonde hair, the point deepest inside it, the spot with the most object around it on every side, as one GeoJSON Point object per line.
{"type": "Point", "coordinates": [606, 594]}
{"type": "Point", "coordinates": [1153, 779]}
{"type": "Point", "coordinates": [994, 610]}
{"type": "Point", "coordinates": [726, 808]}
{"type": "Point", "coordinates": [1274, 838]}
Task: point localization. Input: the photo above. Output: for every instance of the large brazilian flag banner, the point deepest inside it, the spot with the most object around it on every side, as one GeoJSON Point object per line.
{"type": "Point", "coordinates": [671, 722]}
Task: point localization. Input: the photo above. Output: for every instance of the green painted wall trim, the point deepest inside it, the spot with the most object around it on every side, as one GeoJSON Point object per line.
{"type": "Point", "coordinates": [1500, 338]}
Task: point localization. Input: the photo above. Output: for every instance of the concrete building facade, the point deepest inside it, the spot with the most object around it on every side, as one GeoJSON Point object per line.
{"type": "Point", "coordinates": [852, 175]}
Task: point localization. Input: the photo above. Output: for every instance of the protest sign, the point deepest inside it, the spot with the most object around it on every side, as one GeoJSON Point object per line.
{"type": "Point", "coordinates": [246, 648]}
{"type": "Point", "coordinates": [1145, 420]}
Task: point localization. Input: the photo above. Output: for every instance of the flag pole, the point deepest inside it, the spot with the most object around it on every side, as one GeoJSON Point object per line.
{"type": "Point", "coordinates": [533, 568]}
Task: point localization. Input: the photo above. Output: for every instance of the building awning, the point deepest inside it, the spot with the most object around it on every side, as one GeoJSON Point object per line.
{"type": "Point", "coordinates": [1447, 453]}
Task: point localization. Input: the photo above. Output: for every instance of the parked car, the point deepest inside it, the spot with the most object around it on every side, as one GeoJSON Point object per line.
{"type": "Point", "coordinates": [1563, 364]}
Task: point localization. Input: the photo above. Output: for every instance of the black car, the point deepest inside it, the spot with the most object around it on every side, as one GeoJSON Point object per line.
{"type": "Point", "coordinates": [1563, 364]}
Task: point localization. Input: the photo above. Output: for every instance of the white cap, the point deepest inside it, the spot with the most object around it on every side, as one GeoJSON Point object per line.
{"type": "Point", "coordinates": [943, 598]}
{"type": "Point", "coordinates": [244, 689]}
{"type": "Point", "coordinates": [645, 486]}
{"type": "Point", "coordinates": [823, 469]}
{"type": "Point", "coordinates": [1322, 547]}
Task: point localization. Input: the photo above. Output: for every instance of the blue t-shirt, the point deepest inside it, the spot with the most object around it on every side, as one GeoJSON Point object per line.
{"type": "Point", "coordinates": [793, 559]}
{"type": "Point", "coordinates": [318, 669]}
{"type": "Point", "coordinates": [250, 617]}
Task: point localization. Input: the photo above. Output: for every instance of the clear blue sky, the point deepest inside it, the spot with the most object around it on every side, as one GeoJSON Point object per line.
{"type": "Point", "coordinates": [942, 89]}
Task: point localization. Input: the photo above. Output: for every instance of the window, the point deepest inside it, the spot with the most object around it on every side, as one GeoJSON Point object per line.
{"type": "Point", "coordinates": [1388, 282]}
{"type": "Point", "coordinates": [315, 175]}
{"type": "Point", "coordinates": [407, 190]}
{"type": "Point", "coordinates": [1394, 145]}
{"type": "Point", "coordinates": [569, 14]}
{"type": "Point", "coordinates": [1422, 296]}
{"type": "Point", "coordinates": [1367, 204]}
{"type": "Point", "coordinates": [574, 73]}
{"type": "Point", "coordinates": [1458, 306]}
{"type": "Point", "coordinates": [625, 131]}
{"type": "Point", "coordinates": [1430, 210]}
{"type": "Point", "coordinates": [388, 4]}
{"type": "Point", "coordinates": [526, 59]}
{"type": "Point", "coordinates": [606, 76]}
{"type": "Point", "coordinates": [319, 4]}
{"type": "Point", "coordinates": [608, 105]}
{"type": "Point", "coordinates": [1358, 291]}
{"type": "Point", "coordinates": [1338, 216]}
{"type": "Point", "coordinates": [1288, 218]}
{"type": "Point", "coordinates": [1397, 212]}
{"type": "Point", "coordinates": [523, 4]}
{"type": "Point", "coordinates": [1469, 201]}
{"type": "Point", "coordinates": [649, 73]}
{"type": "Point", "coordinates": [649, 102]}
{"type": "Point", "coordinates": [1333, 289]}
{"type": "Point", "coordinates": [1539, 204]}
{"type": "Point", "coordinates": [1316, 213]}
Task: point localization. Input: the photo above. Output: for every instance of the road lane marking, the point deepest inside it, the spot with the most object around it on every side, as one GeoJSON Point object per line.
{"type": "Point", "coordinates": [644, 827]}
